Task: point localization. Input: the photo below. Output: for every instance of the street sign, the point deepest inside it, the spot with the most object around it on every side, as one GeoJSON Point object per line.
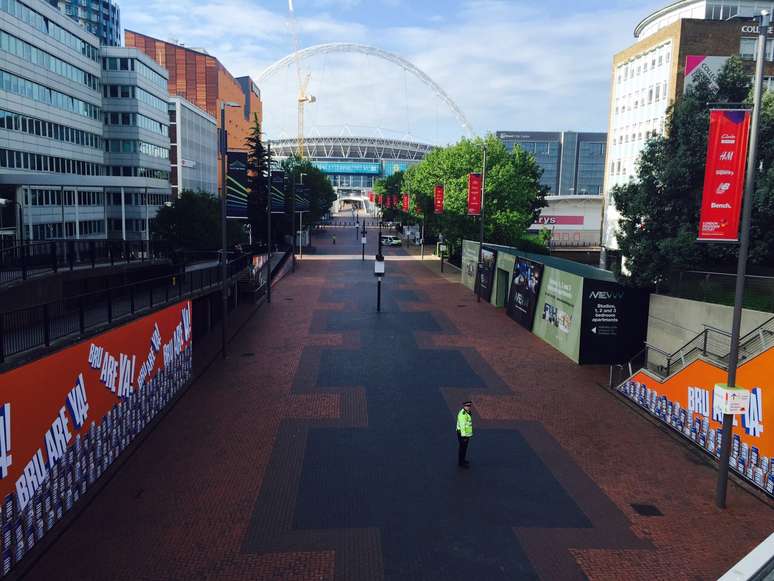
{"type": "Point", "coordinates": [731, 400]}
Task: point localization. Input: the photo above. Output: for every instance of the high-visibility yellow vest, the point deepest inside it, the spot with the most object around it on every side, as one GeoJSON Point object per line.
{"type": "Point", "coordinates": [464, 424]}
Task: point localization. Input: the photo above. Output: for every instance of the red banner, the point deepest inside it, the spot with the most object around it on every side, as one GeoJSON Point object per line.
{"type": "Point", "coordinates": [371, 197]}
{"type": "Point", "coordinates": [405, 202]}
{"type": "Point", "coordinates": [379, 199]}
{"type": "Point", "coordinates": [724, 175]}
{"type": "Point", "coordinates": [438, 200]}
{"type": "Point", "coordinates": [474, 194]}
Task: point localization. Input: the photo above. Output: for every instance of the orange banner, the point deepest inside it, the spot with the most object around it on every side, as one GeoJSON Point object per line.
{"type": "Point", "coordinates": [64, 418]}
{"type": "Point", "coordinates": [685, 402]}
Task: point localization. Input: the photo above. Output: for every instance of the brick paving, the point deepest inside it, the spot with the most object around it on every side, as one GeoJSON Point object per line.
{"type": "Point", "coordinates": [324, 449]}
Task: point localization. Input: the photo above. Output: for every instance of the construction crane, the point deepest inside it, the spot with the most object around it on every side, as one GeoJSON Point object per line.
{"type": "Point", "coordinates": [303, 82]}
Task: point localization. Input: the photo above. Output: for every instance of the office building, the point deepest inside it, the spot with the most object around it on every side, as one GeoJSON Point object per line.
{"type": "Point", "coordinates": [204, 81]}
{"type": "Point", "coordinates": [100, 17]}
{"type": "Point", "coordinates": [573, 163]}
{"type": "Point", "coordinates": [674, 46]}
{"type": "Point", "coordinates": [193, 152]}
{"type": "Point", "coordinates": [136, 136]}
{"type": "Point", "coordinates": [54, 140]}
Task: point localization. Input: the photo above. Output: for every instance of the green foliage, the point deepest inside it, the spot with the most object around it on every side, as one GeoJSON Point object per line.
{"type": "Point", "coordinates": [192, 222]}
{"type": "Point", "coordinates": [660, 209]}
{"type": "Point", "coordinates": [391, 186]}
{"type": "Point", "coordinates": [319, 189]}
{"type": "Point", "coordinates": [512, 199]}
{"type": "Point", "coordinates": [258, 163]}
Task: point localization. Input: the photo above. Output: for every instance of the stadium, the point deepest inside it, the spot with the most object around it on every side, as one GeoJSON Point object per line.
{"type": "Point", "coordinates": [353, 163]}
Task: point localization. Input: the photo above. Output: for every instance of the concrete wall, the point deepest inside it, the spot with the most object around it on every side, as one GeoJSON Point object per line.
{"type": "Point", "coordinates": [672, 322]}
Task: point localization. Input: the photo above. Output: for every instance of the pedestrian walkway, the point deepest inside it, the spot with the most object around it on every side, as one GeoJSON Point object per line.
{"type": "Point", "coordinates": [324, 448]}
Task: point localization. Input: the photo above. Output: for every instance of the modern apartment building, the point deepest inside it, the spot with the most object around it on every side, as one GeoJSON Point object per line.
{"type": "Point", "coordinates": [100, 17]}
{"type": "Point", "coordinates": [193, 152]}
{"type": "Point", "coordinates": [673, 46]}
{"type": "Point", "coordinates": [573, 163]}
{"type": "Point", "coordinates": [204, 81]}
{"type": "Point", "coordinates": [53, 137]}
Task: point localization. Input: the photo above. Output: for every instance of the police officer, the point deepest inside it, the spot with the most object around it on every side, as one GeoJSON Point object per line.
{"type": "Point", "coordinates": [464, 433]}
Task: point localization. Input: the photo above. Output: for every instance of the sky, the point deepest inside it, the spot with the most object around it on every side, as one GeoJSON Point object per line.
{"type": "Point", "coordinates": [508, 65]}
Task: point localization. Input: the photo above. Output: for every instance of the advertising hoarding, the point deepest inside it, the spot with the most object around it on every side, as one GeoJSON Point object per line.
{"type": "Point", "coordinates": [524, 291]}
{"type": "Point", "coordinates": [686, 402]}
{"type": "Point", "coordinates": [724, 175]}
{"type": "Point", "coordinates": [486, 273]}
{"type": "Point", "coordinates": [66, 417]}
{"type": "Point", "coordinates": [702, 67]}
{"type": "Point", "coordinates": [237, 186]}
{"type": "Point", "coordinates": [559, 311]}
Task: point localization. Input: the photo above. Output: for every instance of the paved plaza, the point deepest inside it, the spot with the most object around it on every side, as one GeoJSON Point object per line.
{"type": "Point", "coordinates": [324, 448]}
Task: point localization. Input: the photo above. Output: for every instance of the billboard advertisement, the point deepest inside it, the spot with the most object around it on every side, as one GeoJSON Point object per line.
{"type": "Point", "coordinates": [66, 417]}
{"type": "Point", "coordinates": [237, 186]}
{"type": "Point", "coordinates": [486, 273]}
{"type": "Point", "coordinates": [525, 287]}
{"type": "Point", "coordinates": [724, 175]}
{"type": "Point", "coordinates": [613, 322]}
{"type": "Point", "coordinates": [702, 67]}
{"type": "Point", "coordinates": [686, 402]}
{"type": "Point", "coordinates": [559, 311]}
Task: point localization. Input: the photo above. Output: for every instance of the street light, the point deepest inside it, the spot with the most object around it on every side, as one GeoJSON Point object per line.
{"type": "Point", "coordinates": [363, 240]}
{"type": "Point", "coordinates": [223, 240]}
{"type": "Point", "coordinates": [477, 284]}
{"type": "Point", "coordinates": [379, 270]}
{"type": "Point", "coordinates": [7, 202]}
{"type": "Point", "coordinates": [744, 247]}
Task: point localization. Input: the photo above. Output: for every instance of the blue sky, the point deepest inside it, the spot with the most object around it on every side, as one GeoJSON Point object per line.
{"type": "Point", "coordinates": [508, 65]}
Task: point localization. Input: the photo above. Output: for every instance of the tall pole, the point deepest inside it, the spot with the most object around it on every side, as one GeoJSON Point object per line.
{"type": "Point", "coordinates": [293, 217]}
{"type": "Point", "coordinates": [223, 241]}
{"type": "Point", "coordinates": [422, 241]}
{"type": "Point", "coordinates": [268, 222]}
{"type": "Point", "coordinates": [477, 284]}
{"type": "Point", "coordinates": [744, 247]}
{"type": "Point", "coordinates": [363, 241]}
{"type": "Point", "coordinates": [300, 234]}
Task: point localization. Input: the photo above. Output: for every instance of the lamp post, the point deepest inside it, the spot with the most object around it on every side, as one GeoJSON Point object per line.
{"type": "Point", "coordinates": [477, 285]}
{"type": "Point", "coordinates": [268, 222]}
{"type": "Point", "coordinates": [744, 247]}
{"type": "Point", "coordinates": [379, 270]}
{"type": "Point", "coordinates": [363, 240]}
{"type": "Point", "coordinates": [223, 240]}
{"type": "Point", "coordinates": [7, 202]}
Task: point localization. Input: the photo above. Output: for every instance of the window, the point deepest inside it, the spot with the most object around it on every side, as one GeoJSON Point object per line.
{"type": "Point", "coordinates": [747, 48]}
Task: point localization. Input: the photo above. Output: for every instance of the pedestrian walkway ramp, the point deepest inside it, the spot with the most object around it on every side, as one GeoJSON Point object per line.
{"type": "Point", "coordinates": [678, 388]}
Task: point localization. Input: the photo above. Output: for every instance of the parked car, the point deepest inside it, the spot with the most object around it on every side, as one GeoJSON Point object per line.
{"type": "Point", "coordinates": [390, 240]}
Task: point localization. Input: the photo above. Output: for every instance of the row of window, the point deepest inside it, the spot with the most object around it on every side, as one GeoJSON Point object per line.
{"type": "Point", "coordinates": [136, 146]}
{"type": "Point", "coordinates": [55, 230]}
{"type": "Point", "coordinates": [112, 63]}
{"type": "Point", "coordinates": [132, 92]}
{"type": "Point", "coordinates": [39, 22]}
{"type": "Point", "coordinates": [136, 120]}
{"type": "Point", "coordinates": [58, 197]}
{"type": "Point", "coordinates": [748, 49]}
{"type": "Point", "coordinates": [138, 172]}
{"type": "Point", "coordinates": [25, 124]}
{"type": "Point", "coordinates": [643, 97]}
{"type": "Point", "coordinates": [132, 225]}
{"type": "Point", "coordinates": [628, 70]}
{"type": "Point", "coordinates": [34, 55]}
{"type": "Point", "coordinates": [19, 86]}
{"type": "Point", "coordinates": [47, 163]}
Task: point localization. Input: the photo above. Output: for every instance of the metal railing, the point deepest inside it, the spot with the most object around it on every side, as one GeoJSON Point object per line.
{"type": "Point", "coordinates": [711, 343]}
{"type": "Point", "coordinates": [719, 288]}
{"type": "Point", "coordinates": [36, 258]}
{"type": "Point", "coordinates": [73, 317]}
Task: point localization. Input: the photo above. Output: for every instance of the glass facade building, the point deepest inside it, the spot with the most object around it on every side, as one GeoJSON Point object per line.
{"type": "Point", "coordinates": [100, 17]}
{"type": "Point", "coordinates": [573, 163]}
{"type": "Point", "coordinates": [193, 152]}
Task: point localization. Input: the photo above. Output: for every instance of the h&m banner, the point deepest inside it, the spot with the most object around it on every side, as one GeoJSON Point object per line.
{"type": "Point", "coordinates": [525, 286]}
{"type": "Point", "coordinates": [438, 199]}
{"type": "Point", "coordinates": [66, 417]}
{"type": "Point", "coordinates": [724, 175]}
{"type": "Point", "coordinates": [474, 194]}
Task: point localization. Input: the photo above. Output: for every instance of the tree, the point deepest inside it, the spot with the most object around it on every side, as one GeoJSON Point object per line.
{"type": "Point", "coordinates": [258, 163]}
{"type": "Point", "coordinates": [192, 222]}
{"type": "Point", "coordinates": [318, 188]}
{"type": "Point", "coordinates": [660, 209]}
{"type": "Point", "coordinates": [391, 186]}
{"type": "Point", "coordinates": [512, 199]}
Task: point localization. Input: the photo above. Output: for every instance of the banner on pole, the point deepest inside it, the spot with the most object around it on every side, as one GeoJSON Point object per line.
{"type": "Point", "coordinates": [438, 199]}
{"type": "Point", "coordinates": [405, 202]}
{"type": "Point", "coordinates": [371, 197]}
{"type": "Point", "coordinates": [474, 194]}
{"type": "Point", "coordinates": [724, 175]}
{"type": "Point", "coordinates": [379, 199]}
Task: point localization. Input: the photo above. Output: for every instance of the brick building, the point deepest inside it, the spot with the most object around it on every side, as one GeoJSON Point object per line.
{"type": "Point", "coordinates": [204, 81]}
{"type": "Point", "coordinates": [674, 46]}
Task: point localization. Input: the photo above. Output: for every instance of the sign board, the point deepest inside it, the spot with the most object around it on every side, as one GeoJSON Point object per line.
{"type": "Point", "coordinates": [237, 186]}
{"type": "Point", "coordinates": [405, 202]}
{"type": "Point", "coordinates": [523, 296]}
{"type": "Point", "coordinates": [486, 272]}
{"type": "Point", "coordinates": [474, 194]}
{"type": "Point", "coordinates": [724, 175]}
{"type": "Point", "coordinates": [438, 199]}
{"type": "Point", "coordinates": [187, 163]}
{"type": "Point", "coordinates": [731, 400]}
{"type": "Point", "coordinates": [348, 167]}
{"type": "Point", "coordinates": [363, 240]}
{"type": "Point", "coordinates": [559, 311]}
{"type": "Point", "coordinates": [702, 67]}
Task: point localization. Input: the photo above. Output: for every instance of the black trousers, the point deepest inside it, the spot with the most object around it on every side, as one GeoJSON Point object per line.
{"type": "Point", "coordinates": [463, 449]}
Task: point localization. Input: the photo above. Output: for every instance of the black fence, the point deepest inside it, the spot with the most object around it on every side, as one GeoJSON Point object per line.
{"type": "Point", "coordinates": [73, 317]}
{"type": "Point", "coordinates": [719, 288]}
{"type": "Point", "coordinates": [36, 258]}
